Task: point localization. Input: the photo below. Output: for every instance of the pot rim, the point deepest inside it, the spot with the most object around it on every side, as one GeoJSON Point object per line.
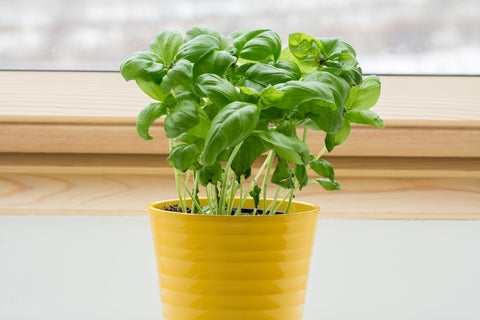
{"type": "Point", "coordinates": [153, 208]}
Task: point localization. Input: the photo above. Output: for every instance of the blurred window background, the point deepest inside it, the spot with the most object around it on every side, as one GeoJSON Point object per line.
{"type": "Point", "coordinates": [390, 36]}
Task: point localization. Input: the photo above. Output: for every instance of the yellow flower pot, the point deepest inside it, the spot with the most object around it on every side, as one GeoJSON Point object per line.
{"type": "Point", "coordinates": [233, 267]}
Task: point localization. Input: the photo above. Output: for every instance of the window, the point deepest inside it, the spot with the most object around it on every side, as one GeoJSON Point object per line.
{"type": "Point", "coordinates": [391, 37]}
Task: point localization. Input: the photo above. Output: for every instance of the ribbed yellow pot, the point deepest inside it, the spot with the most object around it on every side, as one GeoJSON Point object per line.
{"type": "Point", "coordinates": [233, 267]}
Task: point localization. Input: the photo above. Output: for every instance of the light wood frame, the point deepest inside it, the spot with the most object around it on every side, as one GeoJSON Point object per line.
{"type": "Point", "coordinates": [68, 145]}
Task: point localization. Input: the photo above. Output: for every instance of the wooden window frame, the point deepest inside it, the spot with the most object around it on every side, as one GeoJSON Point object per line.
{"type": "Point", "coordinates": [68, 145]}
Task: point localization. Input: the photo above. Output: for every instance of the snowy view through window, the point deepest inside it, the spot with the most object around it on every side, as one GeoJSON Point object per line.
{"type": "Point", "coordinates": [391, 37]}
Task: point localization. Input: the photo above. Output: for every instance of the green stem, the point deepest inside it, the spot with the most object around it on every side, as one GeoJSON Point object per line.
{"type": "Point", "coordinates": [324, 149]}
{"type": "Point", "coordinates": [305, 132]}
{"type": "Point", "coordinates": [254, 180]}
{"type": "Point", "coordinates": [233, 191]}
{"type": "Point", "coordinates": [290, 196]}
{"type": "Point", "coordinates": [194, 201]}
{"type": "Point", "coordinates": [226, 175]}
{"type": "Point", "coordinates": [209, 198]}
{"type": "Point", "coordinates": [176, 173]}
{"type": "Point", "coordinates": [242, 180]}
{"type": "Point", "coordinates": [265, 182]}
{"type": "Point", "coordinates": [277, 194]}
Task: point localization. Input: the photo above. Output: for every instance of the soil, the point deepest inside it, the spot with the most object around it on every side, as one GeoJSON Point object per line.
{"type": "Point", "coordinates": [245, 211]}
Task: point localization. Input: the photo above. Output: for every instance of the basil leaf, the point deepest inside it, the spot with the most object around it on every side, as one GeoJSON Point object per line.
{"type": "Point", "coordinates": [219, 90]}
{"type": "Point", "coordinates": [334, 139]}
{"type": "Point", "coordinates": [283, 175]}
{"type": "Point", "coordinates": [305, 48]}
{"type": "Point", "coordinates": [311, 116]}
{"type": "Point", "coordinates": [298, 92]}
{"type": "Point", "coordinates": [184, 116]}
{"type": "Point", "coordinates": [179, 75]}
{"type": "Point", "coordinates": [290, 148]}
{"type": "Point", "coordinates": [184, 156]}
{"type": "Point", "coordinates": [269, 97]}
{"type": "Point", "coordinates": [251, 148]}
{"type": "Point", "coordinates": [166, 44]}
{"type": "Point", "coordinates": [287, 128]}
{"type": "Point", "coordinates": [339, 58]}
{"type": "Point", "coordinates": [216, 62]}
{"type": "Point", "coordinates": [255, 194]}
{"type": "Point", "coordinates": [194, 49]}
{"type": "Point", "coordinates": [327, 184]}
{"type": "Point", "coordinates": [365, 95]}
{"type": "Point", "coordinates": [201, 129]}
{"type": "Point", "coordinates": [287, 55]}
{"type": "Point", "coordinates": [198, 31]}
{"type": "Point", "coordinates": [258, 45]}
{"type": "Point", "coordinates": [147, 70]}
{"type": "Point", "coordinates": [266, 74]}
{"type": "Point", "coordinates": [147, 116]}
{"type": "Point", "coordinates": [210, 174]}
{"type": "Point", "coordinates": [301, 175]}
{"type": "Point", "coordinates": [367, 117]}
{"type": "Point", "coordinates": [323, 168]}
{"type": "Point", "coordinates": [229, 127]}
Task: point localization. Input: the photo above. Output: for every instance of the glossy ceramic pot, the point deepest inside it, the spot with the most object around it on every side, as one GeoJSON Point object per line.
{"type": "Point", "coordinates": [233, 267]}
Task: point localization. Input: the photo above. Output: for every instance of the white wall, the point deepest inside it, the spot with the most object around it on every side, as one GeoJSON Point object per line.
{"type": "Point", "coordinates": [54, 267]}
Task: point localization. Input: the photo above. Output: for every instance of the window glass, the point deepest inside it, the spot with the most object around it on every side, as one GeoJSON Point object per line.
{"type": "Point", "coordinates": [390, 36]}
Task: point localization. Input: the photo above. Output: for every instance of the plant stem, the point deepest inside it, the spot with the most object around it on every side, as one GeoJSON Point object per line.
{"type": "Point", "coordinates": [180, 198]}
{"type": "Point", "coordinates": [194, 201]}
{"type": "Point", "coordinates": [254, 180]}
{"type": "Point", "coordinates": [320, 153]}
{"type": "Point", "coordinates": [233, 191]}
{"type": "Point", "coordinates": [305, 133]}
{"type": "Point", "coordinates": [265, 182]}
{"type": "Point", "coordinates": [226, 175]}
{"type": "Point", "coordinates": [277, 193]}
{"type": "Point", "coordinates": [209, 198]}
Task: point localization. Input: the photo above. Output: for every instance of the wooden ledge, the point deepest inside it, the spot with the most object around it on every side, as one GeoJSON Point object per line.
{"type": "Point", "coordinates": [68, 145]}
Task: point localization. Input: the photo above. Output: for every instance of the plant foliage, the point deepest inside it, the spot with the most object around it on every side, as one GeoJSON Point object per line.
{"type": "Point", "coordinates": [228, 103]}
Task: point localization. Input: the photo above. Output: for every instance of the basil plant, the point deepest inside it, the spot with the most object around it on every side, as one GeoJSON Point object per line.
{"type": "Point", "coordinates": [228, 103]}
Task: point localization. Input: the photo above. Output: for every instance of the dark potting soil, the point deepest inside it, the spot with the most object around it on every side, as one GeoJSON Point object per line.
{"type": "Point", "coordinates": [245, 211]}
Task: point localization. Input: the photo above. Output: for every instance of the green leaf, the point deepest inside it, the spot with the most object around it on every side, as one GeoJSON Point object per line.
{"type": "Point", "coordinates": [216, 62]}
{"type": "Point", "coordinates": [251, 148]}
{"type": "Point", "coordinates": [219, 90]}
{"type": "Point", "coordinates": [291, 149]}
{"type": "Point", "coordinates": [283, 175]}
{"type": "Point", "coordinates": [305, 48]}
{"type": "Point", "coordinates": [291, 67]}
{"type": "Point", "coordinates": [147, 116]}
{"type": "Point", "coordinates": [313, 117]}
{"type": "Point", "coordinates": [184, 156]}
{"type": "Point", "coordinates": [166, 44]}
{"type": "Point", "coordinates": [339, 58]}
{"type": "Point", "coordinates": [180, 75]}
{"type": "Point", "coordinates": [152, 89]}
{"type": "Point", "coordinates": [323, 168]}
{"type": "Point", "coordinates": [255, 194]}
{"type": "Point", "coordinates": [143, 65]}
{"type": "Point", "coordinates": [147, 70]}
{"type": "Point", "coordinates": [230, 126]}
{"type": "Point", "coordinates": [327, 184]}
{"type": "Point", "coordinates": [334, 139]}
{"type": "Point", "coordinates": [201, 129]}
{"type": "Point", "coordinates": [210, 174]}
{"type": "Point", "coordinates": [298, 92]}
{"type": "Point", "coordinates": [183, 117]}
{"type": "Point", "coordinates": [367, 117]}
{"type": "Point", "coordinates": [301, 175]}
{"type": "Point", "coordinates": [270, 97]}
{"type": "Point", "coordinates": [288, 56]}
{"type": "Point", "coordinates": [266, 74]}
{"type": "Point", "coordinates": [198, 31]}
{"type": "Point", "coordinates": [339, 87]}
{"type": "Point", "coordinates": [287, 128]}
{"type": "Point", "coordinates": [249, 95]}
{"type": "Point", "coordinates": [196, 48]}
{"type": "Point", "coordinates": [258, 45]}
{"type": "Point", "coordinates": [364, 96]}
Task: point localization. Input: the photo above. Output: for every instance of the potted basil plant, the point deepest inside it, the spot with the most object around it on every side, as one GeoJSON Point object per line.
{"type": "Point", "coordinates": [224, 250]}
